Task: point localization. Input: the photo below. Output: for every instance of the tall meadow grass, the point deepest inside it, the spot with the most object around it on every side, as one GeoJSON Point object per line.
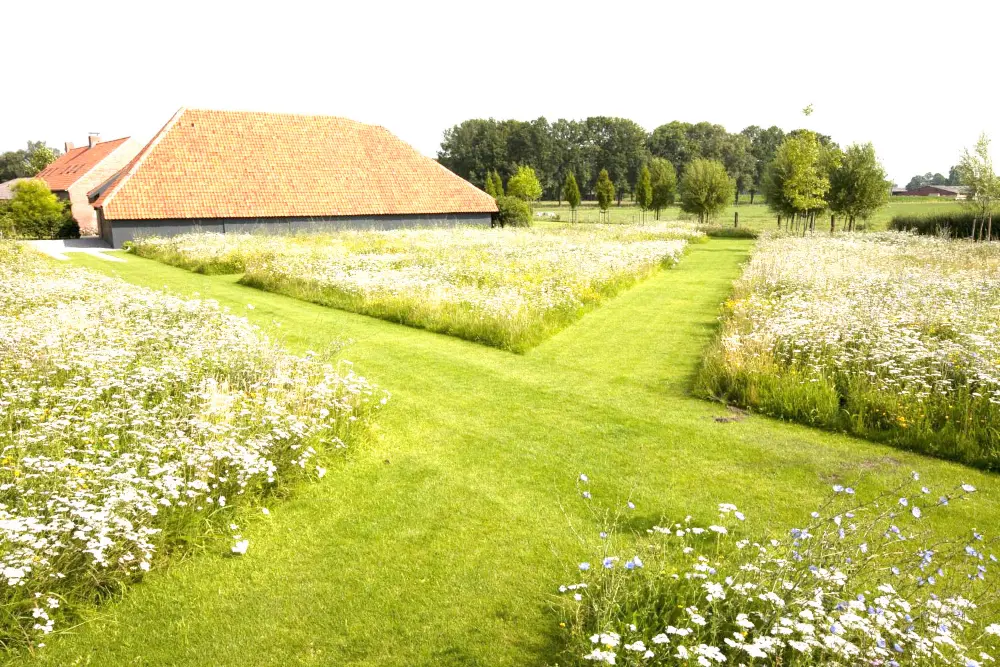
{"type": "Point", "coordinates": [506, 288]}
{"type": "Point", "coordinates": [889, 336]}
{"type": "Point", "coordinates": [133, 425]}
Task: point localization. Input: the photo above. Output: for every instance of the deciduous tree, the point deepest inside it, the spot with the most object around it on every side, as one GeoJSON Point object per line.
{"type": "Point", "coordinates": [763, 147]}
{"type": "Point", "coordinates": [739, 163]}
{"type": "Point", "coordinates": [40, 158]}
{"type": "Point", "coordinates": [524, 185]}
{"type": "Point", "coordinates": [663, 181]}
{"type": "Point", "coordinates": [621, 187]}
{"type": "Point", "coordinates": [858, 186]}
{"type": "Point", "coordinates": [976, 168]}
{"type": "Point", "coordinates": [798, 179]}
{"type": "Point", "coordinates": [644, 190]}
{"type": "Point", "coordinates": [705, 188]}
{"type": "Point", "coordinates": [954, 176]}
{"type": "Point", "coordinates": [26, 162]}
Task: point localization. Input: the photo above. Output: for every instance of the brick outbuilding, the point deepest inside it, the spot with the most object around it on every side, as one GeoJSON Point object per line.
{"type": "Point", "coordinates": [79, 170]}
{"type": "Point", "coordinates": [949, 191]}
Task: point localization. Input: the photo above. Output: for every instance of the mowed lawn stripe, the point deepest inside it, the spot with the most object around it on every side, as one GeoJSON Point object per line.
{"type": "Point", "coordinates": [442, 541]}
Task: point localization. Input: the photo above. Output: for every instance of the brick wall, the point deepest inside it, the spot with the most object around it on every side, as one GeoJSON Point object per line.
{"type": "Point", "coordinates": [83, 212]}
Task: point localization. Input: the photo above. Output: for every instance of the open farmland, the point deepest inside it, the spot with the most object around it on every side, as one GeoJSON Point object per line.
{"type": "Point", "coordinates": [136, 423]}
{"type": "Point", "coordinates": [757, 216]}
{"type": "Point", "coordinates": [443, 541]}
{"type": "Point", "coordinates": [505, 288]}
{"type": "Point", "coordinates": [890, 336]}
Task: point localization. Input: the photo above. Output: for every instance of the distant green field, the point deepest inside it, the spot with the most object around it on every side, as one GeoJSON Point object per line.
{"type": "Point", "coordinates": [756, 216]}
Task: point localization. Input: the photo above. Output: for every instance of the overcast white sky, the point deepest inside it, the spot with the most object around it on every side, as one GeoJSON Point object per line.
{"type": "Point", "coordinates": [917, 79]}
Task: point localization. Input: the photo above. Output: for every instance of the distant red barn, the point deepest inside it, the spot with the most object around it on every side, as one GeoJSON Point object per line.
{"type": "Point", "coordinates": [950, 191]}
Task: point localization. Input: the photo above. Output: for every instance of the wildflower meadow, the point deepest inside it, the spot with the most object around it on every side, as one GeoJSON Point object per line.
{"type": "Point", "coordinates": [505, 288]}
{"type": "Point", "coordinates": [861, 581]}
{"type": "Point", "coordinates": [889, 336]}
{"type": "Point", "coordinates": [134, 424]}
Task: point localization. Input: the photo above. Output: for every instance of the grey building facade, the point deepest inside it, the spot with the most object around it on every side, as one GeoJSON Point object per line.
{"type": "Point", "coordinates": [118, 232]}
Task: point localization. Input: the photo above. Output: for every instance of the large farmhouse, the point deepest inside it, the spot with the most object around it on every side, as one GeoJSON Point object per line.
{"type": "Point", "coordinates": [78, 170]}
{"type": "Point", "coordinates": [236, 171]}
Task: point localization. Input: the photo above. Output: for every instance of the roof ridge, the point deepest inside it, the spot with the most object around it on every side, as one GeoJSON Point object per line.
{"type": "Point", "coordinates": [130, 168]}
{"type": "Point", "coordinates": [281, 113]}
{"type": "Point", "coordinates": [108, 141]}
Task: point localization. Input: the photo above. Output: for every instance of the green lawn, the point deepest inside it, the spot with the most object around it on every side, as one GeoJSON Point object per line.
{"type": "Point", "coordinates": [443, 540]}
{"type": "Point", "coordinates": [756, 216]}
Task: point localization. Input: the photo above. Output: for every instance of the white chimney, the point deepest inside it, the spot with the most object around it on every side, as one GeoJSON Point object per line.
{"type": "Point", "coordinates": [93, 138]}
{"type": "Point", "coordinates": [69, 146]}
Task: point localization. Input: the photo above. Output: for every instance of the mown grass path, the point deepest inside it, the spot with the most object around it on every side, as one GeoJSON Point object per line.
{"type": "Point", "coordinates": [443, 541]}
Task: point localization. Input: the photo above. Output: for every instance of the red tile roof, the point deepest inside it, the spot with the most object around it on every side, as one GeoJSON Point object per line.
{"type": "Point", "coordinates": [74, 164]}
{"type": "Point", "coordinates": [215, 164]}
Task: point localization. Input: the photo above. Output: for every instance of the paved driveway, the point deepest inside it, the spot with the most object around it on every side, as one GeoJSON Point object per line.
{"type": "Point", "coordinates": [58, 248]}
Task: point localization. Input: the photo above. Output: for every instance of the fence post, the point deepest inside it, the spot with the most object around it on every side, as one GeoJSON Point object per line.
{"type": "Point", "coordinates": [736, 218]}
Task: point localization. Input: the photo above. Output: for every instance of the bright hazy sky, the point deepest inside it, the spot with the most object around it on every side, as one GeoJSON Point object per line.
{"type": "Point", "coordinates": [917, 79]}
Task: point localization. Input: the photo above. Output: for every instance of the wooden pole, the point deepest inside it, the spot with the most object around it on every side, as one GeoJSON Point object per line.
{"type": "Point", "coordinates": [736, 219]}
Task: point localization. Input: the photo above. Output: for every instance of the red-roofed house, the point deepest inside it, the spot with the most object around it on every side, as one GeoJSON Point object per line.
{"type": "Point", "coordinates": [243, 171]}
{"type": "Point", "coordinates": [79, 170]}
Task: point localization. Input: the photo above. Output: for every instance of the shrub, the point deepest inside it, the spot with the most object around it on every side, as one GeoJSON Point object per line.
{"type": "Point", "coordinates": [69, 229]}
{"type": "Point", "coordinates": [859, 582]}
{"type": "Point", "coordinates": [728, 232]}
{"type": "Point", "coordinates": [705, 188]}
{"type": "Point", "coordinates": [35, 213]}
{"type": "Point", "coordinates": [6, 221]}
{"type": "Point", "coordinates": [514, 212]}
{"type": "Point", "coordinates": [955, 225]}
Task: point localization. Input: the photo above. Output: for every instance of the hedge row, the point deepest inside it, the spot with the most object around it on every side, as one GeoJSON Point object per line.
{"type": "Point", "coordinates": [955, 225]}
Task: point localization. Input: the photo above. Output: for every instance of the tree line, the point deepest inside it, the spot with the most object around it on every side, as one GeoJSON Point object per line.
{"type": "Point", "coordinates": [480, 147]}
{"type": "Point", "coordinates": [26, 162]}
